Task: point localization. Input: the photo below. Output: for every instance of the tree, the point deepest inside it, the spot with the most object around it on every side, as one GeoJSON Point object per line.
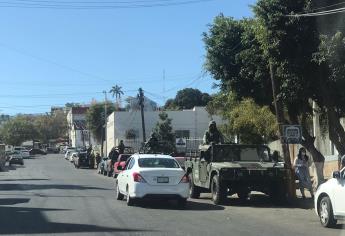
{"type": "Point", "coordinates": [165, 134]}
{"type": "Point", "coordinates": [17, 130]}
{"type": "Point", "coordinates": [252, 123]}
{"type": "Point", "coordinates": [239, 53]}
{"type": "Point", "coordinates": [188, 98]}
{"type": "Point", "coordinates": [116, 92]}
{"type": "Point", "coordinates": [50, 126]}
{"type": "Point", "coordinates": [95, 118]}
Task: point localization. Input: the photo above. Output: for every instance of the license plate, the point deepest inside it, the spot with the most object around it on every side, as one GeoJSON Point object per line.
{"type": "Point", "coordinates": [162, 179]}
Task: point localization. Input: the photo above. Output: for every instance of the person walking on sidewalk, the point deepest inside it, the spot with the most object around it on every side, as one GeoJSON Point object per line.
{"type": "Point", "coordinates": [302, 172]}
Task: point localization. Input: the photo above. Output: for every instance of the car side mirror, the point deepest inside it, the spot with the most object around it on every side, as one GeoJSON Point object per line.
{"type": "Point", "coordinates": [336, 175]}
{"type": "Point", "coordinates": [119, 167]}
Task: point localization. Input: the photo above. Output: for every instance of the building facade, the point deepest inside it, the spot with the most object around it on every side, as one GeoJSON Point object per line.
{"type": "Point", "coordinates": [127, 126]}
{"type": "Point", "coordinates": [78, 133]}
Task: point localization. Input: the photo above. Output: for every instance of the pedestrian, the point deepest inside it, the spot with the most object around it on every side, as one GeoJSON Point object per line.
{"type": "Point", "coordinates": [121, 147]}
{"type": "Point", "coordinates": [302, 172]}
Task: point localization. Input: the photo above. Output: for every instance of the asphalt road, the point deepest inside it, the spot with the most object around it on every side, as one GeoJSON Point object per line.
{"type": "Point", "coordinates": [49, 196]}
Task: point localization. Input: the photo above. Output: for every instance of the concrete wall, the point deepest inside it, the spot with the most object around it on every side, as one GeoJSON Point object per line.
{"type": "Point", "coordinates": [195, 121]}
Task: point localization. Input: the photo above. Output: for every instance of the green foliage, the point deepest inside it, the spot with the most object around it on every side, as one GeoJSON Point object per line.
{"type": "Point", "coordinates": [235, 58]}
{"type": "Point", "coordinates": [51, 126]}
{"type": "Point", "coordinates": [254, 124]}
{"type": "Point", "coordinates": [165, 134]}
{"type": "Point", "coordinates": [18, 130]}
{"type": "Point", "coordinates": [96, 119]}
{"type": "Point", "coordinates": [187, 99]}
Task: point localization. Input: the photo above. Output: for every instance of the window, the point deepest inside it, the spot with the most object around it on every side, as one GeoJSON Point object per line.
{"type": "Point", "coordinates": [182, 133]}
{"type": "Point", "coordinates": [130, 164]}
{"type": "Point", "coordinates": [158, 163]}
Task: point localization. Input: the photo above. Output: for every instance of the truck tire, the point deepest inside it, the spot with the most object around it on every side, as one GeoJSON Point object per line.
{"type": "Point", "coordinates": [218, 191]}
{"type": "Point", "coordinates": [194, 191]}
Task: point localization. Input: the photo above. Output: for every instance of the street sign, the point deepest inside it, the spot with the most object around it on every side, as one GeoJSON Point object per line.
{"type": "Point", "coordinates": [292, 134]}
{"type": "Point", "coordinates": [181, 142]}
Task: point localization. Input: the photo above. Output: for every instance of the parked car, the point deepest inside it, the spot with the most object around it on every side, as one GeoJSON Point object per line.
{"type": "Point", "coordinates": [68, 153]}
{"type": "Point", "coordinates": [329, 200]}
{"type": "Point", "coordinates": [83, 160]}
{"type": "Point", "coordinates": [36, 151]}
{"type": "Point", "coordinates": [72, 156]}
{"type": "Point", "coordinates": [101, 165]}
{"type": "Point", "coordinates": [121, 161]}
{"type": "Point", "coordinates": [152, 176]}
{"type": "Point", "coordinates": [16, 158]}
{"type": "Point", "coordinates": [52, 150]}
{"type": "Point", "coordinates": [25, 153]}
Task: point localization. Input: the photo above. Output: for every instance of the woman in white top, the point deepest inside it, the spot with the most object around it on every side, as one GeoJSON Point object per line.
{"type": "Point", "coordinates": [302, 172]}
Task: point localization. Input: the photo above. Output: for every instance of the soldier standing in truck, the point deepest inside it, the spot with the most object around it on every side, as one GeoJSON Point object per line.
{"type": "Point", "coordinates": [213, 135]}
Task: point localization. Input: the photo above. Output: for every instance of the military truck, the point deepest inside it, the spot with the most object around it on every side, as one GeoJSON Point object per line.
{"type": "Point", "coordinates": [227, 169]}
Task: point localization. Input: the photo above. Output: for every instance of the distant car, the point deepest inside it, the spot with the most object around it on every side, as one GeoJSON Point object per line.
{"type": "Point", "coordinates": [152, 176]}
{"type": "Point", "coordinates": [68, 153]}
{"type": "Point", "coordinates": [329, 200]}
{"type": "Point", "coordinates": [82, 160]}
{"type": "Point", "coordinates": [72, 156]}
{"type": "Point", "coordinates": [101, 165]}
{"type": "Point", "coordinates": [36, 151]}
{"type": "Point", "coordinates": [121, 161]}
{"type": "Point", "coordinates": [25, 153]}
{"type": "Point", "coordinates": [16, 158]}
{"type": "Point", "coordinates": [52, 150]}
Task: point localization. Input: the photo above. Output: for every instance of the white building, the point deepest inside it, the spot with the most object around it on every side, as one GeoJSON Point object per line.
{"type": "Point", "coordinates": [127, 126]}
{"type": "Point", "coordinates": [79, 135]}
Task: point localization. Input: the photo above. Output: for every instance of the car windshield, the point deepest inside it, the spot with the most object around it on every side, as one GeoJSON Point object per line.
{"type": "Point", "coordinates": [158, 163]}
{"type": "Point", "coordinates": [240, 153]}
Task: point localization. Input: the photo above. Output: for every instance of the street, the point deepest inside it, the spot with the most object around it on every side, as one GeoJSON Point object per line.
{"type": "Point", "coordinates": [49, 196]}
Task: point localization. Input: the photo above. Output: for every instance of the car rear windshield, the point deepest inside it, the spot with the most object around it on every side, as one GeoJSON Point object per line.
{"type": "Point", "coordinates": [157, 163]}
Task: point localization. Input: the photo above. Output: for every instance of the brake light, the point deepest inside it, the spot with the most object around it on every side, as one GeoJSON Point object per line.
{"type": "Point", "coordinates": [138, 178]}
{"type": "Point", "coordinates": [184, 179]}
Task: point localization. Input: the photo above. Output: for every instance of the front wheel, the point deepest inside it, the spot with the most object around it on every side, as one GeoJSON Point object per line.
{"type": "Point", "coordinates": [218, 191]}
{"type": "Point", "coordinates": [326, 213]}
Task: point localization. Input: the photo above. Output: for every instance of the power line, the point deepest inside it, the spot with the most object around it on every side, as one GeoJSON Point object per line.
{"type": "Point", "coordinates": [329, 6]}
{"type": "Point", "coordinates": [320, 13]}
{"type": "Point", "coordinates": [75, 6]}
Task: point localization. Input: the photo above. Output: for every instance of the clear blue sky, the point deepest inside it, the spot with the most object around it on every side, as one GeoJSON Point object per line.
{"type": "Point", "coordinates": [50, 57]}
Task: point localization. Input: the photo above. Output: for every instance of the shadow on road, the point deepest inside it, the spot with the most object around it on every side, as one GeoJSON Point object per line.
{"type": "Point", "coordinates": [10, 187]}
{"type": "Point", "coordinates": [23, 179]}
{"type": "Point", "coordinates": [20, 220]}
{"type": "Point", "coordinates": [13, 201]}
{"type": "Point", "coordinates": [8, 168]}
{"type": "Point", "coordinates": [264, 201]}
{"type": "Point", "coordinates": [172, 205]}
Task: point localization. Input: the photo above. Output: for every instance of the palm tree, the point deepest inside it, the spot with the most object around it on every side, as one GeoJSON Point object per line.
{"type": "Point", "coordinates": [116, 92]}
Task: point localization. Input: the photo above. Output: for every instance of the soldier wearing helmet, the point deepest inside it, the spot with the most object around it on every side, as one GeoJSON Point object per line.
{"type": "Point", "coordinates": [213, 135]}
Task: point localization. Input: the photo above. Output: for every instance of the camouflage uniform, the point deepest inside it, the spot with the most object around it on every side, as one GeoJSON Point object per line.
{"type": "Point", "coordinates": [212, 135]}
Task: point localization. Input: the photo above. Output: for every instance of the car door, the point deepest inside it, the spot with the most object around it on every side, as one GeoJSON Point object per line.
{"type": "Point", "coordinates": [339, 195]}
{"type": "Point", "coordinates": [203, 167]}
{"type": "Point", "coordinates": [122, 178]}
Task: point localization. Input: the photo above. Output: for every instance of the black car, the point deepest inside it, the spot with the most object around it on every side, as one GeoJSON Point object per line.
{"type": "Point", "coordinates": [36, 151]}
{"type": "Point", "coordinates": [52, 150]}
{"type": "Point", "coordinates": [83, 160]}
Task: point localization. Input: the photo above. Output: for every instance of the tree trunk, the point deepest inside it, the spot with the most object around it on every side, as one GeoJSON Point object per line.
{"type": "Point", "coordinates": [336, 130]}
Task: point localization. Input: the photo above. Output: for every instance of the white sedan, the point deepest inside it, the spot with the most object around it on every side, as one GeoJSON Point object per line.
{"type": "Point", "coordinates": [329, 200]}
{"type": "Point", "coordinates": [152, 176]}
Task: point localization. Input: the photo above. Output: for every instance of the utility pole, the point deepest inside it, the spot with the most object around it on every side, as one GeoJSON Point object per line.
{"type": "Point", "coordinates": [141, 103]}
{"type": "Point", "coordinates": [105, 122]}
{"type": "Point", "coordinates": [280, 120]}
